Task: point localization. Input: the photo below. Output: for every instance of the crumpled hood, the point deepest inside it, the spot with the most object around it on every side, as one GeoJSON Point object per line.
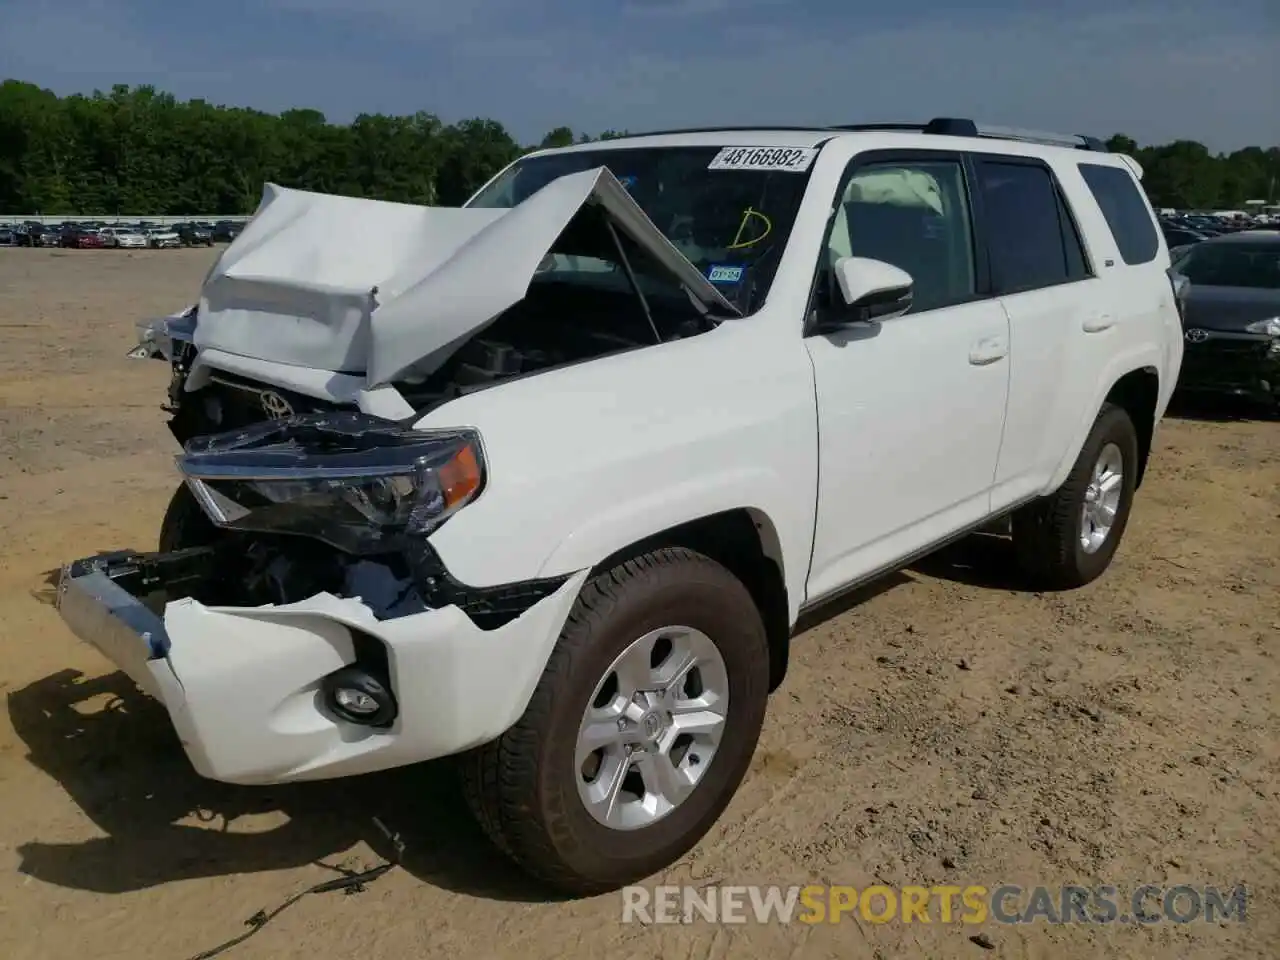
{"type": "Point", "coordinates": [367, 286]}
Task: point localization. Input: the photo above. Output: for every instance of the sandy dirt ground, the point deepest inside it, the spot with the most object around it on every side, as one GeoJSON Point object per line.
{"type": "Point", "coordinates": [945, 728]}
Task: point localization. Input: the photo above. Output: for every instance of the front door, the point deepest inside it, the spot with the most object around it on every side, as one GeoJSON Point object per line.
{"type": "Point", "coordinates": [911, 410]}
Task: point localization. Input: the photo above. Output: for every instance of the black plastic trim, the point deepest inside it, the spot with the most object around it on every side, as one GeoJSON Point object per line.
{"type": "Point", "coordinates": [488, 607]}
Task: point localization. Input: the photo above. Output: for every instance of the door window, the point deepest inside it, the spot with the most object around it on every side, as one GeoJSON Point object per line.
{"type": "Point", "coordinates": [915, 216]}
{"type": "Point", "coordinates": [1125, 211]}
{"type": "Point", "coordinates": [1031, 237]}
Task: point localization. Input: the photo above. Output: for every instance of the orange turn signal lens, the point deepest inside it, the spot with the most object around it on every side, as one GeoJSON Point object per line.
{"type": "Point", "coordinates": [460, 477]}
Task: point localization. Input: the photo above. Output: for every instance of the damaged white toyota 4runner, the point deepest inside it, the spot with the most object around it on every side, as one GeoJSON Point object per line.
{"type": "Point", "coordinates": [546, 481]}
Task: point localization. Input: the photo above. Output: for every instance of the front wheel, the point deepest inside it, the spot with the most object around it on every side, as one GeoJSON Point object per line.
{"type": "Point", "coordinates": [185, 524]}
{"type": "Point", "coordinates": [639, 732]}
{"type": "Point", "coordinates": [1068, 539]}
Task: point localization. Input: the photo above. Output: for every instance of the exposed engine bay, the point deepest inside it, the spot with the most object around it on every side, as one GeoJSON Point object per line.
{"type": "Point", "coordinates": [566, 318]}
{"type": "Point", "coordinates": [559, 322]}
{"type": "Point", "coordinates": [262, 541]}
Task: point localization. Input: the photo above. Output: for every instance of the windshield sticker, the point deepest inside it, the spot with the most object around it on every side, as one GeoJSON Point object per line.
{"type": "Point", "coordinates": [779, 159]}
{"type": "Point", "coordinates": [628, 182]}
{"type": "Point", "coordinates": [725, 273]}
{"type": "Point", "coordinates": [744, 237]}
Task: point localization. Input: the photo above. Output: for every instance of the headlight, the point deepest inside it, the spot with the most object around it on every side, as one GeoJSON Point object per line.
{"type": "Point", "coordinates": [357, 482]}
{"type": "Point", "coordinates": [1270, 327]}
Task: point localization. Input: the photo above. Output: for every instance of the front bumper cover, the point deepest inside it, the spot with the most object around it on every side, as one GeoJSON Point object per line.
{"type": "Point", "coordinates": [241, 684]}
{"type": "Point", "coordinates": [1231, 363]}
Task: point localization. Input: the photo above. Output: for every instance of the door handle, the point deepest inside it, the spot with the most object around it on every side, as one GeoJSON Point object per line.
{"type": "Point", "coordinates": [1103, 321]}
{"type": "Point", "coordinates": [988, 351]}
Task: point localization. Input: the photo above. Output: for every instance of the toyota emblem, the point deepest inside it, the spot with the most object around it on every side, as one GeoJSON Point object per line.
{"type": "Point", "coordinates": [1197, 336]}
{"type": "Point", "coordinates": [275, 406]}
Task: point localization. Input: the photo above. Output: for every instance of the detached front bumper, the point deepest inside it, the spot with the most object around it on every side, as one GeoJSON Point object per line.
{"type": "Point", "coordinates": [1229, 363]}
{"type": "Point", "coordinates": [243, 684]}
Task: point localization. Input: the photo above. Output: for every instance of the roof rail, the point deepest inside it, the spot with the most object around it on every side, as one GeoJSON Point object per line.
{"type": "Point", "coordinates": [960, 127]}
{"type": "Point", "coordinates": [940, 126]}
{"type": "Point", "coordinates": [737, 128]}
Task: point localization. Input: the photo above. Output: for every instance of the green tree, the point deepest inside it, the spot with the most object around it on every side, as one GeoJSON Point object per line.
{"type": "Point", "coordinates": [559, 137]}
{"type": "Point", "coordinates": [138, 150]}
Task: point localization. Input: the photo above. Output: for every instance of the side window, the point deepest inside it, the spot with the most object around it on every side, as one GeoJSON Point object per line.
{"type": "Point", "coordinates": [915, 216]}
{"type": "Point", "coordinates": [1125, 211]}
{"type": "Point", "coordinates": [1032, 239]}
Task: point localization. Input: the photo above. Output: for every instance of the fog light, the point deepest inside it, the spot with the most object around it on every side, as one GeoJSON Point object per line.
{"type": "Point", "coordinates": [355, 701]}
{"type": "Point", "coordinates": [355, 695]}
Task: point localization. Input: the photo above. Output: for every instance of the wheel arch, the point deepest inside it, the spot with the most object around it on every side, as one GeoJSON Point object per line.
{"type": "Point", "coordinates": [1132, 384]}
{"type": "Point", "coordinates": [745, 541]}
{"type": "Point", "coordinates": [1138, 393]}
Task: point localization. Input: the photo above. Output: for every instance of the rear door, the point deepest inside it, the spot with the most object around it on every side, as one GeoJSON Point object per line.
{"type": "Point", "coordinates": [1041, 275]}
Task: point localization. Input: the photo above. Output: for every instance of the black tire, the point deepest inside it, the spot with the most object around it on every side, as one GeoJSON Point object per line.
{"type": "Point", "coordinates": [522, 787]}
{"type": "Point", "coordinates": [1047, 533]}
{"type": "Point", "coordinates": [185, 524]}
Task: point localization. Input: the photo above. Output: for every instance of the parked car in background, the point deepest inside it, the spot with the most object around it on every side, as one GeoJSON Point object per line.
{"type": "Point", "coordinates": [194, 235]}
{"type": "Point", "coordinates": [79, 237]}
{"type": "Point", "coordinates": [1178, 236]}
{"type": "Point", "coordinates": [163, 238]}
{"type": "Point", "coordinates": [38, 235]}
{"type": "Point", "coordinates": [1232, 319]}
{"type": "Point", "coordinates": [123, 237]}
{"type": "Point", "coordinates": [8, 238]}
{"type": "Point", "coordinates": [224, 231]}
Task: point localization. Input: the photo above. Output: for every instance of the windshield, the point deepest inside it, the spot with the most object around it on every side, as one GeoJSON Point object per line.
{"type": "Point", "coordinates": [1233, 265]}
{"type": "Point", "coordinates": [731, 223]}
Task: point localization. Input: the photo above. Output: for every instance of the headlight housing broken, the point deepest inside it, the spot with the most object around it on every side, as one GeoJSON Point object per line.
{"type": "Point", "coordinates": [356, 482]}
{"type": "Point", "coordinates": [1270, 327]}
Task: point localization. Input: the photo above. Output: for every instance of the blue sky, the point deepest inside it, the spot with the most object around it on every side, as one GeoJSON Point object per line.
{"type": "Point", "coordinates": [1155, 70]}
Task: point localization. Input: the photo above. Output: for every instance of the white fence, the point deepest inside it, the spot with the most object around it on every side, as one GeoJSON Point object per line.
{"type": "Point", "coordinates": [12, 220]}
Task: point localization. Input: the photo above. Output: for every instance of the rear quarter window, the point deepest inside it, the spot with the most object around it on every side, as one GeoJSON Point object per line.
{"type": "Point", "coordinates": [1125, 211]}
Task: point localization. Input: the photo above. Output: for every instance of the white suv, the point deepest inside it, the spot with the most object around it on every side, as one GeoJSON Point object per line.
{"type": "Point", "coordinates": [546, 481]}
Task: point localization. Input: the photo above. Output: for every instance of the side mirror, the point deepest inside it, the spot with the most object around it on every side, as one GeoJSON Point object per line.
{"type": "Point", "coordinates": [872, 291]}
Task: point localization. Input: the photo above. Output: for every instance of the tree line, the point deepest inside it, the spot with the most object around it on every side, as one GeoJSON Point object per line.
{"type": "Point", "coordinates": [137, 150]}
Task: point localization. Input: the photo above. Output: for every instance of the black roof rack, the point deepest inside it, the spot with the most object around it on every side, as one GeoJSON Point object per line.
{"type": "Point", "coordinates": [938, 126]}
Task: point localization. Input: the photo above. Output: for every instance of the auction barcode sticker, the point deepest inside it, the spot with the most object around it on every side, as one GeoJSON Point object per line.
{"type": "Point", "coordinates": [781, 159]}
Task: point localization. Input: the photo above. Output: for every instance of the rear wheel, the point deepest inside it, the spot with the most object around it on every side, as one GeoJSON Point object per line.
{"type": "Point", "coordinates": [639, 731]}
{"type": "Point", "coordinates": [1068, 539]}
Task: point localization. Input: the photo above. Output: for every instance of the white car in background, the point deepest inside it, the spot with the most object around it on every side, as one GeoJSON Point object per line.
{"type": "Point", "coordinates": [546, 481]}
{"type": "Point", "coordinates": [122, 237]}
{"type": "Point", "coordinates": [163, 237]}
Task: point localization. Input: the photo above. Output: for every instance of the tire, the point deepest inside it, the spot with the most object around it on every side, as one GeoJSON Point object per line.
{"type": "Point", "coordinates": [185, 524]}
{"type": "Point", "coordinates": [524, 787]}
{"type": "Point", "coordinates": [1049, 534]}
